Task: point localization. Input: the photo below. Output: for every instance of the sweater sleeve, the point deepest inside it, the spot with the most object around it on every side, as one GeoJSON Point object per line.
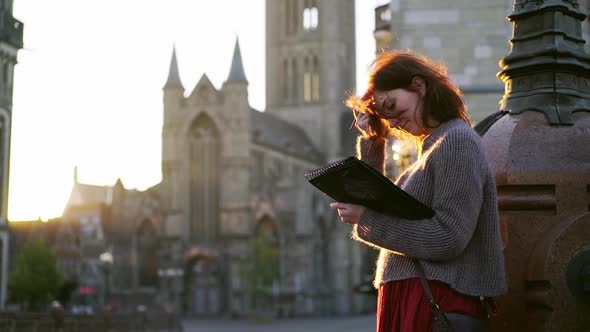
{"type": "Point", "coordinates": [372, 152]}
{"type": "Point", "coordinates": [458, 181]}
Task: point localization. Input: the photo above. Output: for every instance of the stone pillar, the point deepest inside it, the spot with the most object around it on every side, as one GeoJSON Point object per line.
{"type": "Point", "coordinates": [539, 152]}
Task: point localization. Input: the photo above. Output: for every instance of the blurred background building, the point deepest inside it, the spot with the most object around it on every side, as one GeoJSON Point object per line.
{"type": "Point", "coordinates": [11, 40]}
{"type": "Point", "coordinates": [234, 225]}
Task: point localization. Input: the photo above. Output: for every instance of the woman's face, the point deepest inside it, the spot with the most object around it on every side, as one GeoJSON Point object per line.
{"type": "Point", "coordinates": [402, 109]}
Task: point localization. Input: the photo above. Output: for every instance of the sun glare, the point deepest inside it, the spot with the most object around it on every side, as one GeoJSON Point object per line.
{"type": "Point", "coordinates": [89, 94]}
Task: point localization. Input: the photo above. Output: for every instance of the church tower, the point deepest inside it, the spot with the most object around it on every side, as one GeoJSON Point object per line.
{"type": "Point", "coordinates": [310, 66]}
{"type": "Point", "coordinates": [11, 40]}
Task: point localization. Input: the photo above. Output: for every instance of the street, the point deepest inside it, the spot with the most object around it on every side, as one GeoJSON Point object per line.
{"type": "Point", "coordinates": [331, 324]}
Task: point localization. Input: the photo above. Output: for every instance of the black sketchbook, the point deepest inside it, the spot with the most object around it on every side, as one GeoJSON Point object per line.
{"type": "Point", "coordinates": [352, 181]}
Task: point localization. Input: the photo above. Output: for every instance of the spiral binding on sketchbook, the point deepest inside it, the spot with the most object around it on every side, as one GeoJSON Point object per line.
{"type": "Point", "coordinates": [310, 175]}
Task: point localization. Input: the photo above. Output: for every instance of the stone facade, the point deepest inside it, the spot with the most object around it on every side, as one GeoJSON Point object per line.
{"type": "Point", "coordinates": [232, 175]}
{"type": "Point", "coordinates": [468, 36]}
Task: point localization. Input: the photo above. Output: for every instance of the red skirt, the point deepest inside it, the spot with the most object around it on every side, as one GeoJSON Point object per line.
{"type": "Point", "coordinates": [402, 306]}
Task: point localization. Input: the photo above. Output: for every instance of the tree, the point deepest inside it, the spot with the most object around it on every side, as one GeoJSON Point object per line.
{"type": "Point", "coordinates": [261, 269]}
{"type": "Point", "coordinates": [36, 279]}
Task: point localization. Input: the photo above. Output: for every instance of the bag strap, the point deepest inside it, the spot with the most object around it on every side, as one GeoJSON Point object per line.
{"type": "Point", "coordinates": [434, 308]}
{"type": "Point", "coordinates": [488, 302]}
{"type": "Point", "coordinates": [437, 315]}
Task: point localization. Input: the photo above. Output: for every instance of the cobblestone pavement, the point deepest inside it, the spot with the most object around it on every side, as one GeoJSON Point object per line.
{"type": "Point", "coordinates": [332, 324]}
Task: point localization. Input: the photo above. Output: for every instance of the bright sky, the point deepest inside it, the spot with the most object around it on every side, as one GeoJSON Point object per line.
{"type": "Point", "coordinates": [88, 86]}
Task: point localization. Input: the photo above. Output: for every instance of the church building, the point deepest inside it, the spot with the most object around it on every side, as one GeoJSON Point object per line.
{"type": "Point", "coordinates": [234, 225]}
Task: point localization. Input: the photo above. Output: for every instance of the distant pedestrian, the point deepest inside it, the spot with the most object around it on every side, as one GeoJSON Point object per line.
{"type": "Point", "coordinates": [459, 249]}
{"type": "Point", "coordinates": [58, 314]}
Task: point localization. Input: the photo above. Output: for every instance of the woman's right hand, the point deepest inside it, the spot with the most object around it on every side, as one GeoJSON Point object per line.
{"type": "Point", "coordinates": [370, 125]}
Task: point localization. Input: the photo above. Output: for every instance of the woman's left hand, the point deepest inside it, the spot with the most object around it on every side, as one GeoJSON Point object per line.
{"type": "Point", "coordinates": [349, 213]}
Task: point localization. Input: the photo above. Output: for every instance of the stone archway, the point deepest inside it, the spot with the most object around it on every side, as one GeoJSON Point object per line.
{"type": "Point", "coordinates": [203, 283]}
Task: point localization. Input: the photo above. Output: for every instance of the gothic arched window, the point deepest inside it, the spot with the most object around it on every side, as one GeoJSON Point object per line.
{"type": "Point", "coordinates": [306, 80]}
{"type": "Point", "coordinates": [310, 15]}
{"type": "Point", "coordinates": [311, 79]}
{"type": "Point", "coordinates": [315, 80]}
{"type": "Point", "coordinates": [286, 80]}
{"type": "Point", "coordinates": [204, 157]}
{"type": "Point", "coordinates": [295, 79]}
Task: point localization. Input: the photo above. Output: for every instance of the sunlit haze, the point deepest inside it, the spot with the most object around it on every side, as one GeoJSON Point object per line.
{"type": "Point", "coordinates": [88, 86]}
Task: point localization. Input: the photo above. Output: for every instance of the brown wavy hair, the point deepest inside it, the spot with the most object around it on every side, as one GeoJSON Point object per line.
{"type": "Point", "coordinates": [392, 70]}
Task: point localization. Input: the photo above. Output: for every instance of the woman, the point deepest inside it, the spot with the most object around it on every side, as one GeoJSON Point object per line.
{"type": "Point", "coordinates": [459, 248]}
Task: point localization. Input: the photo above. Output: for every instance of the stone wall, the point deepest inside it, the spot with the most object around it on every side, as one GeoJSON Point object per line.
{"type": "Point", "coordinates": [468, 36]}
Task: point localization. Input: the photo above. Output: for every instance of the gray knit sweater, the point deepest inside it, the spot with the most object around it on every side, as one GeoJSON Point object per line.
{"type": "Point", "coordinates": [460, 245]}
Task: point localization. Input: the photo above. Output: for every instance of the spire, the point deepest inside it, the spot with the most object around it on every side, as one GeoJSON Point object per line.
{"type": "Point", "coordinates": [119, 184]}
{"type": "Point", "coordinates": [173, 77]}
{"type": "Point", "coordinates": [236, 72]}
{"type": "Point", "coordinates": [76, 174]}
